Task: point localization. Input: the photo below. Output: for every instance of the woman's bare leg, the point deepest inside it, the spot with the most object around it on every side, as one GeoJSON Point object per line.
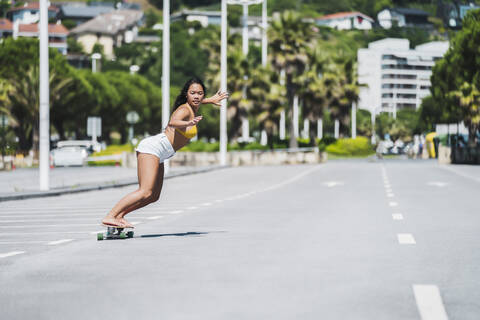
{"type": "Point", "coordinates": [150, 179]}
{"type": "Point", "coordinates": [154, 194]}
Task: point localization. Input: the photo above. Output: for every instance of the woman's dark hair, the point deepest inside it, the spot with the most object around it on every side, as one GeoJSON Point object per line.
{"type": "Point", "coordinates": [182, 97]}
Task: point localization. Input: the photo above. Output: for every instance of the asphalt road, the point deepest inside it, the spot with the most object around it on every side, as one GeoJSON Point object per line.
{"type": "Point", "coordinates": [342, 240]}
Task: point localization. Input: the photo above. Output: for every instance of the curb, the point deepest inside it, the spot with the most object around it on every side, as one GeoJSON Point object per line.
{"type": "Point", "coordinates": [124, 183]}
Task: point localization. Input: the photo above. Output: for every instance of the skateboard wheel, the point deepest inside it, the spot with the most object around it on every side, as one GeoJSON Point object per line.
{"type": "Point", "coordinates": [123, 235]}
{"type": "Point", "coordinates": [130, 234]}
{"type": "Point", "coordinates": [99, 236]}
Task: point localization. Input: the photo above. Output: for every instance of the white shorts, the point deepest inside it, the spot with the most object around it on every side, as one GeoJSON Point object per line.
{"type": "Point", "coordinates": [158, 145]}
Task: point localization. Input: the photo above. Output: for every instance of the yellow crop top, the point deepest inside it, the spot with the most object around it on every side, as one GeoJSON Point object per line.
{"type": "Point", "coordinates": [189, 134]}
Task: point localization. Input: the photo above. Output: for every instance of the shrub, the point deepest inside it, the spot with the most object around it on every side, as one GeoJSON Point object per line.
{"type": "Point", "coordinates": [326, 141]}
{"type": "Point", "coordinates": [351, 147]}
{"type": "Point", "coordinates": [303, 143]}
{"type": "Point", "coordinates": [115, 149]}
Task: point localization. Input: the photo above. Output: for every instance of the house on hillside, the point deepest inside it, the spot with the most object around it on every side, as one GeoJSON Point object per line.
{"type": "Point", "coordinates": [81, 13]}
{"type": "Point", "coordinates": [205, 18]}
{"type": "Point", "coordinates": [454, 14]}
{"type": "Point", "coordinates": [109, 30]}
{"type": "Point", "coordinates": [30, 13]}
{"type": "Point", "coordinates": [403, 17]}
{"type": "Point", "coordinates": [6, 28]}
{"type": "Point", "coordinates": [57, 33]}
{"type": "Point", "coordinates": [346, 21]}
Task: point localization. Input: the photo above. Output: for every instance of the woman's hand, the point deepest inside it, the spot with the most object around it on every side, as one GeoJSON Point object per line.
{"type": "Point", "coordinates": [216, 98]}
{"type": "Point", "coordinates": [194, 121]}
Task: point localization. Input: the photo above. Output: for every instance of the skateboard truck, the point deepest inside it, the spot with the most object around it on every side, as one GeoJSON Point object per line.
{"type": "Point", "coordinates": [115, 233]}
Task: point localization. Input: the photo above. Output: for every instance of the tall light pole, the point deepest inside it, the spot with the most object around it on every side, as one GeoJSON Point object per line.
{"type": "Point", "coordinates": [95, 57]}
{"type": "Point", "coordinates": [354, 120]}
{"type": "Point", "coordinates": [166, 69]}
{"type": "Point", "coordinates": [44, 165]}
{"type": "Point", "coordinates": [223, 85]}
{"type": "Point", "coordinates": [264, 33]}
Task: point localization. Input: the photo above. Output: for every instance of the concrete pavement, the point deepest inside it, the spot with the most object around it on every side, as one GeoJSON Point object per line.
{"type": "Point", "coordinates": [344, 240]}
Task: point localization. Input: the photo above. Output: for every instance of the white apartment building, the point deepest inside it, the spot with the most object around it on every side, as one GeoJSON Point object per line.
{"type": "Point", "coordinates": [394, 76]}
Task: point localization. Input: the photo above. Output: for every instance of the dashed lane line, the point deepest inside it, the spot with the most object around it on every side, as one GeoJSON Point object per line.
{"type": "Point", "coordinates": [48, 226]}
{"type": "Point", "coordinates": [406, 238]}
{"type": "Point", "coordinates": [397, 216]}
{"type": "Point", "coordinates": [53, 243]}
{"type": "Point", "coordinates": [429, 302]}
{"type": "Point", "coordinates": [10, 254]}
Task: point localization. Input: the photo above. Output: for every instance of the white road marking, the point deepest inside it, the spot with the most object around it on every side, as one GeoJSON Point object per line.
{"type": "Point", "coordinates": [393, 204]}
{"type": "Point", "coordinates": [136, 222]}
{"type": "Point", "coordinates": [437, 184]}
{"type": "Point", "coordinates": [9, 254]}
{"type": "Point", "coordinates": [192, 208]}
{"type": "Point", "coordinates": [451, 168]}
{"type": "Point", "coordinates": [64, 215]}
{"type": "Point", "coordinates": [21, 242]}
{"type": "Point", "coordinates": [154, 218]}
{"type": "Point", "coordinates": [43, 220]}
{"type": "Point", "coordinates": [390, 195]}
{"type": "Point", "coordinates": [429, 302]}
{"type": "Point", "coordinates": [397, 216]}
{"type": "Point", "coordinates": [176, 211]}
{"type": "Point", "coordinates": [207, 204]}
{"type": "Point", "coordinates": [297, 177]}
{"type": "Point", "coordinates": [406, 238]}
{"type": "Point", "coordinates": [331, 184]}
{"type": "Point", "coordinates": [52, 243]}
{"type": "Point", "coordinates": [48, 225]}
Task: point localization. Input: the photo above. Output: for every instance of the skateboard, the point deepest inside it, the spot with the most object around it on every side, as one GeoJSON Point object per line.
{"type": "Point", "coordinates": [115, 233]}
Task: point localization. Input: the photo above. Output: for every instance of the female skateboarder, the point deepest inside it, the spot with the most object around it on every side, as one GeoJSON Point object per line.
{"type": "Point", "coordinates": [154, 150]}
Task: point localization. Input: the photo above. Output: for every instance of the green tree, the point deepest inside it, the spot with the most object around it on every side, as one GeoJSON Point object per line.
{"type": "Point", "coordinates": [456, 77]}
{"type": "Point", "coordinates": [289, 38]}
{"type": "Point", "coordinates": [468, 98]}
{"type": "Point", "coordinates": [24, 98]}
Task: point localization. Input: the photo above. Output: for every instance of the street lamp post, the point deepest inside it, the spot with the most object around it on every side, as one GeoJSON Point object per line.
{"type": "Point", "coordinates": [96, 56]}
{"type": "Point", "coordinates": [223, 85]}
{"type": "Point", "coordinates": [166, 69]}
{"type": "Point", "coordinates": [132, 118]}
{"type": "Point", "coordinates": [354, 120]}
{"type": "Point", "coordinates": [44, 99]}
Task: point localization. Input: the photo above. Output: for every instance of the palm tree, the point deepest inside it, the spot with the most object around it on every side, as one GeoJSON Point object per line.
{"type": "Point", "coordinates": [344, 89]}
{"type": "Point", "coordinates": [313, 92]}
{"type": "Point", "coordinates": [239, 67]}
{"type": "Point", "coordinates": [289, 39]}
{"type": "Point", "coordinates": [24, 99]}
{"type": "Point", "coordinates": [268, 99]}
{"type": "Point", "coordinates": [5, 102]}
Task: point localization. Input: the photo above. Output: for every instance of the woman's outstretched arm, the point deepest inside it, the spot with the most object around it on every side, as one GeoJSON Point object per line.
{"type": "Point", "coordinates": [177, 119]}
{"type": "Point", "coordinates": [216, 98]}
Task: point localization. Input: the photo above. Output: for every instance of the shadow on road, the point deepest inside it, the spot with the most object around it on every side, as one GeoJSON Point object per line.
{"type": "Point", "coordinates": [181, 234]}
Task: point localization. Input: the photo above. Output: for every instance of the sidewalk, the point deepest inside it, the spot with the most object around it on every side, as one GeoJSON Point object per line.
{"type": "Point", "coordinates": [24, 183]}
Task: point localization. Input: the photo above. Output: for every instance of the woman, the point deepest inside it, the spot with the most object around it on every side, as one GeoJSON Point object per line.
{"type": "Point", "coordinates": [154, 150]}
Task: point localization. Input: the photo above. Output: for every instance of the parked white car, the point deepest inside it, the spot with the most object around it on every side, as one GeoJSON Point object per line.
{"type": "Point", "coordinates": [69, 156]}
{"type": "Point", "coordinates": [88, 144]}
